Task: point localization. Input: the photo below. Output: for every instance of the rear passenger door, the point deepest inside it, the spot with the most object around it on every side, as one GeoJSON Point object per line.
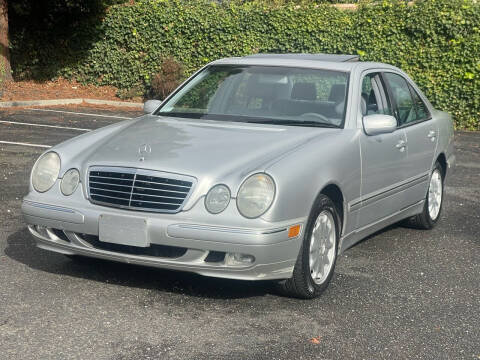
{"type": "Point", "coordinates": [414, 118]}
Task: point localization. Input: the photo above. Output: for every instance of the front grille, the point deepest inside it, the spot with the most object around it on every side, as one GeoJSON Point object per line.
{"type": "Point", "coordinates": [138, 189]}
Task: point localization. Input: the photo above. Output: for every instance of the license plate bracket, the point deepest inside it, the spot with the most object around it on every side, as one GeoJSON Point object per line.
{"type": "Point", "coordinates": [123, 230]}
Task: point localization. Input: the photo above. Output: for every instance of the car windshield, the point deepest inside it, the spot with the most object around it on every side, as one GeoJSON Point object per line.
{"type": "Point", "coordinates": [262, 94]}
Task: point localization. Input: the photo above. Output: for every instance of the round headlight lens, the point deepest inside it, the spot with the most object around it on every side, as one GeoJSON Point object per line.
{"type": "Point", "coordinates": [45, 172]}
{"type": "Point", "coordinates": [217, 199]}
{"type": "Point", "coordinates": [255, 195]}
{"type": "Point", "coordinates": [70, 182]}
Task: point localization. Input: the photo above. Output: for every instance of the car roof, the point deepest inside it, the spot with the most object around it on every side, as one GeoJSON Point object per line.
{"type": "Point", "coordinates": [316, 57]}
{"type": "Point", "coordinates": [335, 62]}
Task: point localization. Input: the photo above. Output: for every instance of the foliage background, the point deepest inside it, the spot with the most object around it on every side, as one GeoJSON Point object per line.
{"type": "Point", "coordinates": [108, 42]}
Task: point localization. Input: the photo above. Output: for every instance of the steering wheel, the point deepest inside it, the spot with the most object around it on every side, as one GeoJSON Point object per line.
{"type": "Point", "coordinates": [319, 116]}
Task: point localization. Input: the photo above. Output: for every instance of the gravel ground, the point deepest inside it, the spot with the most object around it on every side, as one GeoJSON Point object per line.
{"type": "Point", "coordinates": [400, 294]}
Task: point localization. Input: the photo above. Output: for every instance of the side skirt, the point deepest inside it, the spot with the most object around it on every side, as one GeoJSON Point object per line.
{"type": "Point", "coordinates": [352, 238]}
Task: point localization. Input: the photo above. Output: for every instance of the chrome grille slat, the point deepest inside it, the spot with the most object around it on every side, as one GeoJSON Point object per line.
{"type": "Point", "coordinates": [138, 189]}
{"type": "Point", "coordinates": [160, 196]}
{"type": "Point", "coordinates": [154, 189]}
{"type": "Point", "coordinates": [105, 184]}
{"type": "Point", "coordinates": [153, 185]}
{"type": "Point", "coordinates": [109, 181]}
{"type": "Point", "coordinates": [164, 201]}
{"type": "Point", "coordinates": [112, 197]}
{"type": "Point", "coordinates": [162, 183]}
{"type": "Point", "coordinates": [152, 202]}
{"type": "Point", "coordinates": [109, 177]}
{"type": "Point", "coordinates": [103, 189]}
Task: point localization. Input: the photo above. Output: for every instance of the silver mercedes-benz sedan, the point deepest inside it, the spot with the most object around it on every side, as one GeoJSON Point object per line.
{"type": "Point", "coordinates": [261, 167]}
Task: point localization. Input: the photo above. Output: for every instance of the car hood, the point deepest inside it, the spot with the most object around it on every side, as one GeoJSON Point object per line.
{"type": "Point", "coordinates": [194, 147]}
{"type": "Point", "coordinates": [211, 151]}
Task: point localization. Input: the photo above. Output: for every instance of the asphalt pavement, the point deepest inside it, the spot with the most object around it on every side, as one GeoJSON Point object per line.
{"type": "Point", "coordinates": [400, 294]}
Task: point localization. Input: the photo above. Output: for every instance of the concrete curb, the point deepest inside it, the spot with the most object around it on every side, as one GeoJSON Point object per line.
{"type": "Point", "coordinates": [9, 104]}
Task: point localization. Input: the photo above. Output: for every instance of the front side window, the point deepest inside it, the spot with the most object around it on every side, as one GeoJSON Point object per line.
{"type": "Point", "coordinates": [373, 98]}
{"type": "Point", "coordinates": [410, 108]}
{"type": "Point", "coordinates": [263, 94]}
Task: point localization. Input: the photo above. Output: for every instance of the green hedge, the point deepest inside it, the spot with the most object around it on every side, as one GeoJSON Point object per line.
{"type": "Point", "coordinates": [436, 41]}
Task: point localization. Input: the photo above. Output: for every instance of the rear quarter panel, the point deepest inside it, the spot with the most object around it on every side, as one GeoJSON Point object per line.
{"type": "Point", "coordinates": [446, 134]}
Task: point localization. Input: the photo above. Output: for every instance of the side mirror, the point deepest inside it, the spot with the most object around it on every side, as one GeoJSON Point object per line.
{"type": "Point", "coordinates": [150, 106]}
{"type": "Point", "coordinates": [379, 124]}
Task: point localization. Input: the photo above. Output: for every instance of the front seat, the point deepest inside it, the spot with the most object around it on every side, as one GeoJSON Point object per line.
{"type": "Point", "coordinates": [304, 91]}
{"type": "Point", "coordinates": [337, 96]}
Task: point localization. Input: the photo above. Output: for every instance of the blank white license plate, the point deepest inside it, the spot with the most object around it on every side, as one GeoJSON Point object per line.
{"type": "Point", "coordinates": [123, 230]}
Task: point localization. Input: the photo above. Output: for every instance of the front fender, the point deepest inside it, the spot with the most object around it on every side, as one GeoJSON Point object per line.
{"type": "Point", "coordinates": [302, 174]}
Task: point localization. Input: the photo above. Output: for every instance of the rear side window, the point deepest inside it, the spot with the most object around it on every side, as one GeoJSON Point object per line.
{"type": "Point", "coordinates": [409, 107]}
{"type": "Point", "coordinates": [420, 107]}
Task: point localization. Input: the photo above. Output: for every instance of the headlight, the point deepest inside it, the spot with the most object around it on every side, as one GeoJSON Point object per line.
{"type": "Point", "coordinates": [45, 172]}
{"type": "Point", "coordinates": [70, 182]}
{"type": "Point", "coordinates": [217, 199]}
{"type": "Point", "coordinates": [255, 195]}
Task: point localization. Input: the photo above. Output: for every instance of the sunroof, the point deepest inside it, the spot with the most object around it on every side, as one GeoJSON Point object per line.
{"type": "Point", "coordinates": [315, 57]}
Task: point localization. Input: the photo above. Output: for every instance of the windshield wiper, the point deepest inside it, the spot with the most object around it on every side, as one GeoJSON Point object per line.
{"type": "Point", "coordinates": [294, 123]}
{"type": "Point", "coordinates": [249, 119]}
{"type": "Point", "coordinates": [188, 115]}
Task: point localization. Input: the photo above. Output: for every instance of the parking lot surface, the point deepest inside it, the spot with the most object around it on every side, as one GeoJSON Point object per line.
{"type": "Point", "coordinates": [400, 294]}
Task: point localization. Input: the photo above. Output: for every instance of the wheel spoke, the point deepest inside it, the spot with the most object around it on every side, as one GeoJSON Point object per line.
{"type": "Point", "coordinates": [325, 260]}
{"type": "Point", "coordinates": [435, 192]}
{"type": "Point", "coordinates": [322, 247]}
{"type": "Point", "coordinates": [329, 243]}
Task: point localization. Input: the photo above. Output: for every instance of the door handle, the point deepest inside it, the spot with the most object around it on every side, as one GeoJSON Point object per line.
{"type": "Point", "coordinates": [401, 145]}
{"type": "Point", "coordinates": [431, 135]}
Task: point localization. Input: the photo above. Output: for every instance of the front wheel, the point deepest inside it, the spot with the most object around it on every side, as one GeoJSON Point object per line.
{"type": "Point", "coordinates": [318, 254]}
{"type": "Point", "coordinates": [432, 207]}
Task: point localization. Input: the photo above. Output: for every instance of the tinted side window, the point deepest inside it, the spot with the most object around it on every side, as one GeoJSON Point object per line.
{"type": "Point", "coordinates": [400, 91]}
{"type": "Point", "coordinates": [420, 107]}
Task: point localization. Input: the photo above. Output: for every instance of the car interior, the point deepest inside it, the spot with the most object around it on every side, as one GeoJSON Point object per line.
{"type": "Point", "coordinates": [290, 99]}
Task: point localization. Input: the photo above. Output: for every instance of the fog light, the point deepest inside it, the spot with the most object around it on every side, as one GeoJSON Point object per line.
{"type": "Point", "coordinates": [235, 259]}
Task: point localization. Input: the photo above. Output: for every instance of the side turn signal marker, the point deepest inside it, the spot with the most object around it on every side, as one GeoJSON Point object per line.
{"type": "Point", "coordinates": [294, 231]}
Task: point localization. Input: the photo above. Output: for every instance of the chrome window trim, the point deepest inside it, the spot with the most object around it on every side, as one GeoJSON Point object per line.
{"type": "Point", "coordinates": [135, 172]}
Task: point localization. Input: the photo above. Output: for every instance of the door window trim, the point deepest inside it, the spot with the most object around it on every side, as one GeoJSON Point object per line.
{"type": "Point", "coordinates": [382, 88]}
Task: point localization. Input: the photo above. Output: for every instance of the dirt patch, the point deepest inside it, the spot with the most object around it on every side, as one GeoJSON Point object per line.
{"type": "Point", "coordinates": [57, 89]}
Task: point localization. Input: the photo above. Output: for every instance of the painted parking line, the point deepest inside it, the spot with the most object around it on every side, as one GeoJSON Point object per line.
{"type": "Point", "coordinates": [43, 125]}
{"type": "Point", "coordinates": [83, 114]}
{"type": "Point", "coordinates": [24, 144]}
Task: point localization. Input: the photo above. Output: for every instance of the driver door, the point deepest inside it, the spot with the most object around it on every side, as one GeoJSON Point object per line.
{"type": "Point", "coordinates": [383, 157]}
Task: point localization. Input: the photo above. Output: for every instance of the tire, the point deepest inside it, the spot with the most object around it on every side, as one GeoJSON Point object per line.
{"type": "Point", "coordinates": [429, 216]}
{"type": "Point", "coordinates": [306, 282]}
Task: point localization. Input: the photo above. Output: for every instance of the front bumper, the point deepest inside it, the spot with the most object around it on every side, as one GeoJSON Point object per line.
{"type": "Point", "coordinates": [63, 229]}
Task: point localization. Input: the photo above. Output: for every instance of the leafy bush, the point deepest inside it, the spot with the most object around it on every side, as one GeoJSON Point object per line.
{"type": "Point", "coordinates": [167, 79]}
{"type": "Point", "coordinates": [436, 41]}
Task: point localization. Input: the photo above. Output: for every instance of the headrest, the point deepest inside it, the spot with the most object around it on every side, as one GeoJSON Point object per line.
{"type": "Point", "coordinates": [304, 91]}
{"type": "Point", "coordinates": [337, 93]}
{"type": "Point", "coordinates": [363, 104]}
{"type": "Point", "coordinates": [264, 90]}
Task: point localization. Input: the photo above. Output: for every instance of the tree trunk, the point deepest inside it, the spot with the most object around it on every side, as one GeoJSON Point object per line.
{"type": "Point", "coordinates": [5, 70]}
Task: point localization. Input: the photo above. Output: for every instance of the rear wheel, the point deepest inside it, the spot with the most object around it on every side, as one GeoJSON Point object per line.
{"type": "Point", "coordinates": [318, 254]}
{"type": "Point", "coordinates": [432, 207]}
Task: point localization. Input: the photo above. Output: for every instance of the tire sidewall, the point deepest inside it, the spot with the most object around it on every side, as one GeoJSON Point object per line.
{"type": "Point", "coordinates": [322, 203]}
